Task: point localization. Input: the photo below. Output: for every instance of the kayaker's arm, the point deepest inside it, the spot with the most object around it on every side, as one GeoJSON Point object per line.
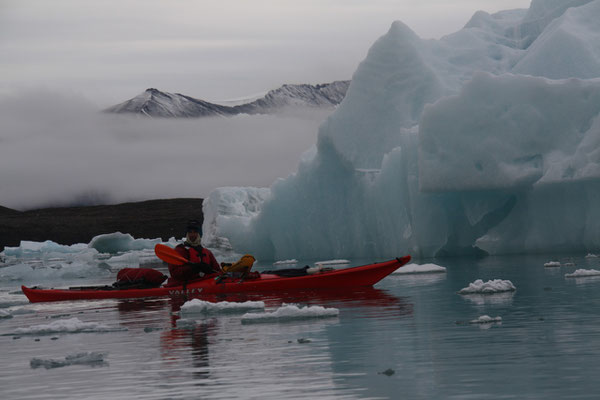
{"type": "Point", "coordinates": [202, 267]}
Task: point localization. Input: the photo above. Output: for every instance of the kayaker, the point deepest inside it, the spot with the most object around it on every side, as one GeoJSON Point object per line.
{"type": "Point", "coordinates": [202, 261]}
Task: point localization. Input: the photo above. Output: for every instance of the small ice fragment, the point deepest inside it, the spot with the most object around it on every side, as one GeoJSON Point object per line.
{"type": "Point", "coordinates": [286, 262]}
{"type": "Point", "coordinates": [92, 359]}
{"type": "Point", "coordinates": [72, 325]}
{"type": "Point", "coordinates": [485, 319]}
{"type": "Point", "coordinates": [583, 273]}
{"type": "Point", "coordinates": [196, 306]}
{"type": "Point", "coordinates": [291, 312]}
{"type": "Point", "coordinates": [332, 262]}
{"type": "Point", "coordinates": [551, 264]}
{"type": "Point", "coordinates": [419, 269]}
{"type": "Point", "coordinates": [489, 287]}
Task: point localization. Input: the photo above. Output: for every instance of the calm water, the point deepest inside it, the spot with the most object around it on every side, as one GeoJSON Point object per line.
{"type": "Point", "coordinates": [414, 328]}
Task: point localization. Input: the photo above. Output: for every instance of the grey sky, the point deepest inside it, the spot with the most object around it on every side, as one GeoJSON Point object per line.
{"type": "Point", "coordinates": [111, 50]}
{"type": "Point", "coordinates": [62, 60]}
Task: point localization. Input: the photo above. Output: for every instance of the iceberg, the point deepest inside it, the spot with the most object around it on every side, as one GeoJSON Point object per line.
{"type": "Point", "coordinates": [486, 141]}
{"type": "Point", "coordinates": [120, 242]}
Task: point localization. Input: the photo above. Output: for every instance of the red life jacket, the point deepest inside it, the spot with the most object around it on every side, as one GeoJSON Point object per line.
{"type": "Point", "coordinates": [185, 273]}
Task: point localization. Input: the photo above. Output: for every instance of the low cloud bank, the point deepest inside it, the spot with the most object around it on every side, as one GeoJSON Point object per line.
{"type": "Point", "coordinates": [58, 149]}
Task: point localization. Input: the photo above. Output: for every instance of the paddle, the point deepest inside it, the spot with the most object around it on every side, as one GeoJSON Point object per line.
{"type": "Point", "coordinates": [169, 255]}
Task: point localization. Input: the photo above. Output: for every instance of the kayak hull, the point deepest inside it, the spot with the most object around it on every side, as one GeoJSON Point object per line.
{"type": "Point", "coordinates": [362, 276]}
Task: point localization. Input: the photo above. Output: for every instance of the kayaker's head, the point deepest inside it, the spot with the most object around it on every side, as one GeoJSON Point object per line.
{"type": "Point", "coordinates": [193, 231]}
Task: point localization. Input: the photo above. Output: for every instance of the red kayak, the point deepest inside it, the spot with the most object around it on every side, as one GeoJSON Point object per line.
{"type": "Point", "coordinates": [366, 275]}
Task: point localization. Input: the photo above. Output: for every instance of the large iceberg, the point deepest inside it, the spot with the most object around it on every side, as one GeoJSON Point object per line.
{"type": "Point", "coordinates": [486, 141]}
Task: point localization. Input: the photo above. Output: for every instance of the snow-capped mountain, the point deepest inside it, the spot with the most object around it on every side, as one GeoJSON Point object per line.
{"type": "Point", "coordinates": [155, 103]}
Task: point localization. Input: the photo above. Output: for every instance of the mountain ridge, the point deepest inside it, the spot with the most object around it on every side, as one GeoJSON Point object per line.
{"type": "Point", "coordinates": [156, 103]}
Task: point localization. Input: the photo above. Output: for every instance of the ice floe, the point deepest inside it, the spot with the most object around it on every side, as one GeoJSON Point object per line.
{"type": "Point", "coordinates": [591, 255]}
{"type": "Point", "coordinates": [72, 325]}
{"type": "Point", "coordinates": [93, 359]}
{"type": "Point", "coordinates": [580, 273]}
{"type": "Point", "coordinates": [489, 287]}
{"type": "Point", "coordinates": [420, 269]}
{"type": "Point", "coordinates": [197, 306]}
{"type": "Point", "coordinates": [290, 312]}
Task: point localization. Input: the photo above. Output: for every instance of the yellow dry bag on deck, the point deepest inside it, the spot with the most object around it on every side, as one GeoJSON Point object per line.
{"type": "Point", "coordinates": [244, 264]}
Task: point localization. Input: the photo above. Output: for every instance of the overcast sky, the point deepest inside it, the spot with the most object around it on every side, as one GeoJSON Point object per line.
{"type": "Point", "coordinates": [112, 50]}
{"type": "Point", "coordinates": [63, 60]}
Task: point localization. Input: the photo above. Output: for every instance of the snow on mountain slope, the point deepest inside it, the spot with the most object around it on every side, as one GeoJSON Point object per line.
{"type": "Point", "coordinates": [155, 103]}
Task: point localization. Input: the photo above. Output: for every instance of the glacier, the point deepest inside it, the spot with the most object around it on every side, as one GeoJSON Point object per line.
{"type": "Point", "coordinates": [486, 141]}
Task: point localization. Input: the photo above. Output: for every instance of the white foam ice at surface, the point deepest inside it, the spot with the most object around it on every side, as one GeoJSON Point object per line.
{"type": "Point", "coordinates": [485, 319]}
{"type": "Point", "coordinates": [71, 325]}
{"type": "Point", "coordinates": [290, 312]}
{"type": "Point", "coordinates": [552, 264]}
{"type": "Point", "coordinates": [286, 262]}
{"type": "Point", "coordinates": [85, 358]}
{"type": "Point", "coordinates": [580, 273]}
{"type": "Point", "coordinates": [489, 287]}
{"type": "Point", "coordinates": [117, 242]}
{"type": "Point", "coordinates": [484, 141]}
{"type": "Point", "coordinates": [332, 262]}
{"type": "Point", "coordinates": [196, 306]}
{"type": "Point", "coordinates": [419, 269]}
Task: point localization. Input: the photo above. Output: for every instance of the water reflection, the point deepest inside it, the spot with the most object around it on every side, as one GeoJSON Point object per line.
{"type": "Point", "coordinates": [191, 342]}
{"type": "Point", "coordinates": [504, 298]}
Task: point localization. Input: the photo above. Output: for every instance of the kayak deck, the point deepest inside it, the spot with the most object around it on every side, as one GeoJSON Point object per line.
{"type": "Point", "coordinates": [362, 276]}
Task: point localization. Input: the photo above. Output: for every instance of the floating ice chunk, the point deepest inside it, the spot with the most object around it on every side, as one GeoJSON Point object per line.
{"type": "Point", "coordinates": [72, 325]}
{"type": "Point", "coordinates": [485, 319]}
{"type": "Point", "coordinates": [419, 269]}
{"type": "Point", "coordinates": [332, 262]}
{"type": "Point", "coordinates": [550, 264]}
{"type": "Point", "coordinates": [93, 359]}
{"type": "Point", "coordinates": [591, 255]}
{"type": "Point", "coordinates": [286, 262]}
{"type": "Point", "coordinates": [579, 273]}
{"type": "Point", "coordinates": [196, 306]}
{"type": "Point", "coordinates": [117, 242]}
{"type": "Point", "coordinates": [290, 312]}
{"type": "Point", "coordinates": [489, 287]}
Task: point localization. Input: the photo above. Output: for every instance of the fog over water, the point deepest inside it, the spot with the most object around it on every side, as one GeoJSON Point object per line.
{"type": "Point", "coordinates": [58, 149]}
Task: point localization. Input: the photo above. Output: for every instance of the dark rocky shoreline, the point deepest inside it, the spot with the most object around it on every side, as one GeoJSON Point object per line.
{"type": "Point", "coordinates": [69, 225]}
